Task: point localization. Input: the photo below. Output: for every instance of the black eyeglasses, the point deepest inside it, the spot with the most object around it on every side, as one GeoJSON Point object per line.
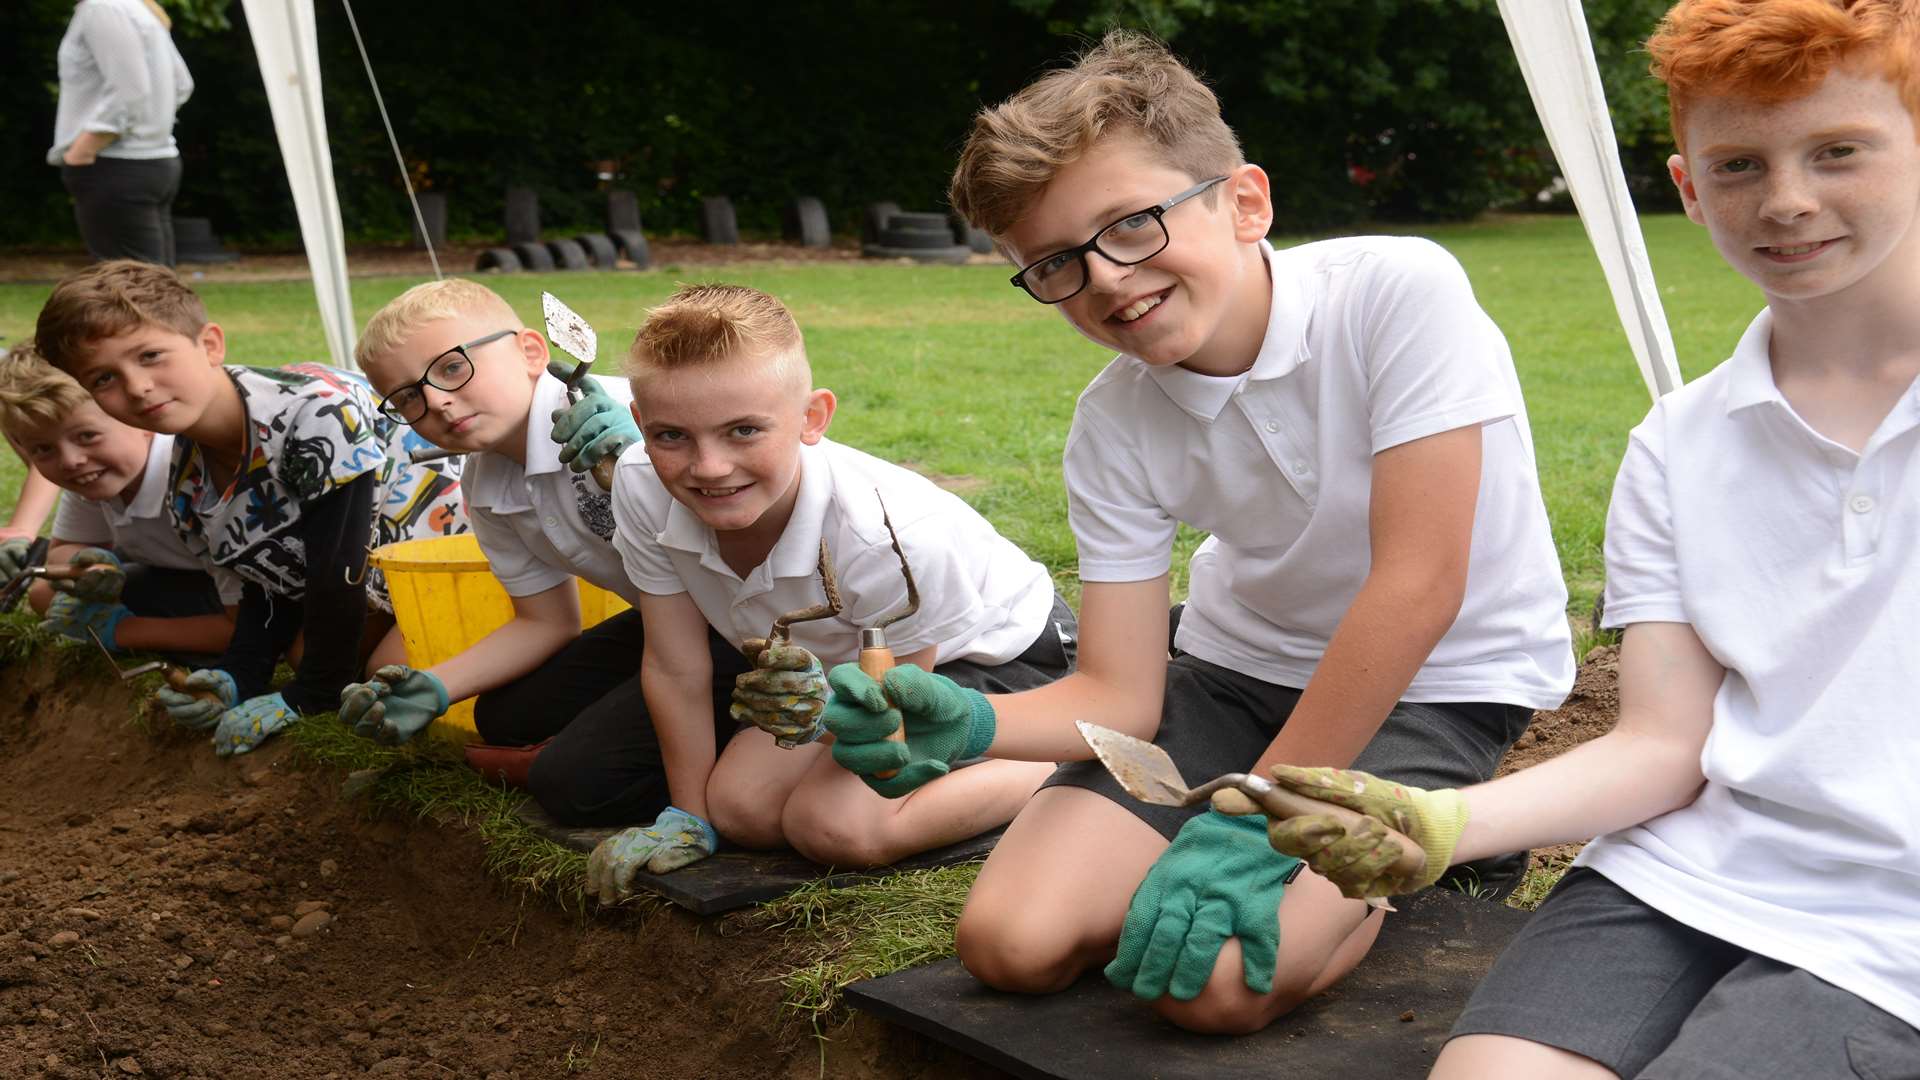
{"type": "Point", "coordinates": [449, 371]}
{"type": "Point", "coordinates": [1133, 239]}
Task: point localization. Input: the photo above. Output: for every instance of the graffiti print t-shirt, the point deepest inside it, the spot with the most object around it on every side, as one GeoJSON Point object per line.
{"type": "Point", "coordinates": [310, 429]}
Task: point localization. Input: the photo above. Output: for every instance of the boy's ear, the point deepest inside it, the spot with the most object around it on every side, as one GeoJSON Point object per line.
{"type": "Point", "coordinates": [1252, 197]}
{"type": "Point", "coordinates": [634, 408]}
{"type": "Point", "coordinates": [213, 341]}
{"type": "Point", "coordinates": [1683, 181]}
{"type": "Point", "coordinates": [533, 347]}
{"type": "Point", "coordinates": [820, 406]}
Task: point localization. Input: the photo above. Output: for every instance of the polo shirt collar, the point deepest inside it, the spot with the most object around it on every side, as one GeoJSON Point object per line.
{"type": "Point", "coordinates": [1282, 349]}
{"type": "Point", "coordinates": [147, 502]}
{"type": "Point", "coordinates": [543, 454]}
{"type": "Point", "coordinates": [797, 552]}
{"type": "Point", "coordinates": [1750, 368]}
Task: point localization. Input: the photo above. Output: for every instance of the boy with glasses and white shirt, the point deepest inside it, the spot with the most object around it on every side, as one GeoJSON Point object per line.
{"type": "Point", "coordinates": [456, 363]}
{"type": "Point", "coordinates": [1380, 585]}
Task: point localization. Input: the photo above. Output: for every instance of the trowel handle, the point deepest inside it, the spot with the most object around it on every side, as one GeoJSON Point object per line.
{"type": "Point", "coordinates": [876, 659]}
{"type": "Point", "coordinates": [70, 572]}
{"type": "Point", "coordinates": [1279, 803]}
{"type": "Point", "coordinates": [603, 472]}
{"type": "Point", "coordinates": [177, 679]}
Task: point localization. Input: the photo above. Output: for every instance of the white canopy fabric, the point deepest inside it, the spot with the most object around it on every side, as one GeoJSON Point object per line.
{"type": "Point", "coordinates": [1556, 56]}
{"type": "Point", "coordinates": [285, 42]}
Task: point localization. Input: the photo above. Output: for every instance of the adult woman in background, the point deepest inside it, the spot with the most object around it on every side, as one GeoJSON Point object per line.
{"type": "Point", "coordinates": [121, 80]}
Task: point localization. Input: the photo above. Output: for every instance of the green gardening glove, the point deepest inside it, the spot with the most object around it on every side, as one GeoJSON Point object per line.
{"type": "Point", "coordinates": [13, 557]}
{"type": "Point", "coordinates": [675, 839]}
{"type": "Point", "coordinates": [1215, 881]}
{"type": "Point", "coordinates": [945, 723]}
{"type": "Point", "coordinates": [593, 428]}
{"type": "Point", "coordinates": [102, 586]}
{"type": "Point", "coordinates": [1359, 862]}
{"type": "Point", "coordinates": [783, 695]}
{"type": "Point", "coordinates": [394, 705]}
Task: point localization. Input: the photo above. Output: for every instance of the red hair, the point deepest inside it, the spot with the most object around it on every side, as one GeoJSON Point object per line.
{"type": "Point", "coordinates": [1777, 50]}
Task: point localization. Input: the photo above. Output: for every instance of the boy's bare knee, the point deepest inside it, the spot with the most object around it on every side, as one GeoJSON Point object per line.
{"type": "Point", "coordinates": [1015, 954]}
{"type": "Point", "coordinates": [1225, 1006]}
{"type": "Point", "coordinates": [831, 839]}
{"type": "Point", "coordinates": [742, 820]}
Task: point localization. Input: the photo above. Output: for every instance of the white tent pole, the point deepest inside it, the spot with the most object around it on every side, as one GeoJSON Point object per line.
{"type": "Point", "coordinates": [285, 41]}
{"type": "Point", "coordinates": [1556, 57]}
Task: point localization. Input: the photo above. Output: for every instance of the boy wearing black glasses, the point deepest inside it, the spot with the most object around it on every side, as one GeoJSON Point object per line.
{"type": "Point", "coordinates": [457, 365]}
{"type": "Point", "coordinates": [1379, 586]}
{"type": "Point", "coordinates": [283, 476]}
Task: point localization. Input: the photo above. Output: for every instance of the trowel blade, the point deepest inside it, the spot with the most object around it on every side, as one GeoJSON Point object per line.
{"type": "Point", "coordinates": [567, 330]}
{"type": "Point", "coordinates": [1142, 769]}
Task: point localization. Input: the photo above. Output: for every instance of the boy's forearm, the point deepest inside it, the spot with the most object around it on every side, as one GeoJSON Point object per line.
{"type": "Point", "coordinates": [513, 650]}
{"type": "Point", "coordinates": [682, 715]}
{"type": "Point", "coordinates": [1379, 646]}
{"type": "Point", "coordinates": [187, 634]}
{"type": "Point", "coordinates": [37, 495]}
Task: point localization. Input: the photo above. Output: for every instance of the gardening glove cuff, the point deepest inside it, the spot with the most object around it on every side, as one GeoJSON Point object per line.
{"type": "Point", "coordinates": [71, 617]}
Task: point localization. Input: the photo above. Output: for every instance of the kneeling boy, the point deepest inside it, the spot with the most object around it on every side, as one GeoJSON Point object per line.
{"type": "Point", "coordinates": [722, 514]}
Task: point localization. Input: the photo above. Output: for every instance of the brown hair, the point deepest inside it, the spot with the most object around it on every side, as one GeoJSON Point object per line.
{"type": "Point", "coordinates": [706, 324]}
{"type": "Point", "coordinates": [1128, 85]}
{"type": "Point", "coordinates": [425, 303]}
{"type": "Point", "coordinates": [34, 394]}
{"type": "Point", "coordinates": [111, 298]}
{"type": "Point", "coordinates": [1777, 50]}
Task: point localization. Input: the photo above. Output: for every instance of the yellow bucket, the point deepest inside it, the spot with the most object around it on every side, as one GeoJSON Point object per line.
{"type": "Point", "coordinates": [445, 598]}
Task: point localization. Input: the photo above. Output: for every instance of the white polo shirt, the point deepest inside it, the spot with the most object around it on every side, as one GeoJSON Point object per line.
{"type": "Point", "coordinates": [981, 598]}
{"type": "Point", "coordinates": [544, 524]}
{"type": "Point", "coordinates": [1797, 561]}
{"type": "Point", "coordinates": [139, 531]}
{"type": "Point", "coordinates": [1372, 342]}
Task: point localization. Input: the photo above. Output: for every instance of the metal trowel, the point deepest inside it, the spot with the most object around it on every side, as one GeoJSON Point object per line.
{"type": "Point", "coordinates": [573, 335]}
{"type": "Point", "coordinates": [1145, 772]}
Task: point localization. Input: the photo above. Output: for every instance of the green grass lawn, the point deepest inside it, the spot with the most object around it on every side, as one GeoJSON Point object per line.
{"type": "Point", "coordinates": [951, 370]}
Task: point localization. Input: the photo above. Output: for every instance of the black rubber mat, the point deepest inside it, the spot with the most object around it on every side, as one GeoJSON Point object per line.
{"type": "Point", "coordinates": [734, 879]}
{"type": "Point", "coordinates": [1387, 1020]}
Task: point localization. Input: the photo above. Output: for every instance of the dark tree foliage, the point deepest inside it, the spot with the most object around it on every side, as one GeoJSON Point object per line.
{"type": "Point", "coordinates": [1360, 109]}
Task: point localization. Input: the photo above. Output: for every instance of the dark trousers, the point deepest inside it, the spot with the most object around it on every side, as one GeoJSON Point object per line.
{"type": "Point", "coordinates": [604, 765]}
{"type": "Point", "coordinates": [124, 207]}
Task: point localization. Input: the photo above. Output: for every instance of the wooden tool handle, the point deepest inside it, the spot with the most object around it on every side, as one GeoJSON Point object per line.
{"type": "Point", "coordinates": [875, 662]}
{"type": "Point", "coordinates": [72, 572]}
{"type": "Point", "coordinates": [1279, 802]}
{"type": "Point", "coordinates": [177, 679]}
{"type": "Point", "coordinates": [603, 472]}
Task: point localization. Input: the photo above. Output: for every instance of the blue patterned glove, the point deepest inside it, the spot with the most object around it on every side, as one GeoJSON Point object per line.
{"type": "Point", "coordinates": [593, 428]}
{"type": "Point", "coordinates": [675, 839]}
{"type": "Point", "coordinates": [945, 723]}
{"type": "Point", "coordinates": [251, 723]}
{"type": "Point", "coordinates": [192, 711]}
{"type": "Point", "coordinates": [102, 586]}
{"type": "Point", "coordinates": [71, 617]}
{"type": "Point", "coordinates": [394, 705]}
{"type": "Point", "coordinates": [1218, 879]}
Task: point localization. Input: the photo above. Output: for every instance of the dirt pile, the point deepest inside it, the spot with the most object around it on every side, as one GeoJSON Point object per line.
{"type": "Point", "coordinates": [167, 914]}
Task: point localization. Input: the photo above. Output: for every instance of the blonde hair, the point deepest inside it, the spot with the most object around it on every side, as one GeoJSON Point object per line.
{"type": "Point", "coordinates": [428, 302]}
{"type": "Point", "coordinates": [708, 324]}
{"type": "Point", "coordinates": [109, 299]}
{"type": "Point", "coordinates": [35, 395]}
{"type": "Point", "coordinates": [1777, 50]}
{"type": "Point", "coordinates": [1127, 86]}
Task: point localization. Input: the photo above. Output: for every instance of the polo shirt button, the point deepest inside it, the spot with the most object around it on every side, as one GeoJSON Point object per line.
{"type": "Point", "coordinates": [1861, 504]}
{"type": "Point", "coordinates": [552, 523]}
{"type": "Point", "coordinates": [1299, 468]}
{"type": "Point", "coordinates": [1273, 425]}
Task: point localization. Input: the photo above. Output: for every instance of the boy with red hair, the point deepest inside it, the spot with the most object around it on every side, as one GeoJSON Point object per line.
{"type": "Point", "coordinates": [1750, 909]}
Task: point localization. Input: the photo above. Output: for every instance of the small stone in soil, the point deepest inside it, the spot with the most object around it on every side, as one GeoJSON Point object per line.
{"type": "Point", "coordinates": [63, 938]}
{"type": "Point", "coordinates": [311, 923]}
{"type": "Point", "coordinates": [128, 1065]}
{"type": "Point", "coordinates": [281, 922]}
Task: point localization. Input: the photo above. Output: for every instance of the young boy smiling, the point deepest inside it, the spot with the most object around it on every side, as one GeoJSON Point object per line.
{"type": "Point", "coordinates": [284, 476]}
{"type": "Point", "coordinates": [457, 364]}
{"type": "Point", "coordinates": [158, 597]}
{"type": "Point", "coordinates": [722, 515]}
{"type": "Point", "coordinates": [1750, 910]}
{"type": "Point", "coordinates": [1379, 585]}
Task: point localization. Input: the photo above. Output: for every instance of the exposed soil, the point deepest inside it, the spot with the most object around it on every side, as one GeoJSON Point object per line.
{"type": "Point", "coordinates": [1589, 712]}
{"type": "Point", "coordinates": [165, 913]}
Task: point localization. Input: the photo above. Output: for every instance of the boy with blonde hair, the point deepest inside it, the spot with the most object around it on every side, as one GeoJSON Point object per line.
{"type": "Point", "coordinates": [1750, 909]}
{"type": "Point", "coordinates": [1379, 585]}
{"type": "Point", "coordinates": [284, 476]}
{"type": "Point", "coordinates": [156, 596]}
{"type": "Point", "coordinates": [722, 515]}
{"type": "Point", "coordinates": [456, 364]}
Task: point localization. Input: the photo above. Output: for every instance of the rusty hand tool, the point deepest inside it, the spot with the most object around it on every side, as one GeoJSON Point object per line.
{"type": "Point", "coordinates": [17, 586]}
{"type": "Point", "coordinates": [425, 454]}
{"type": "Point", "coordinates": [781, 632]}
{"type": "Point", "coordinates": [574, 336]}
{"type": "Point", "coordinates": [1145, 772]}
{"type": "Point", "coordinates": [69, 572]}
{"type": "Point", "coordinates": [876, 656]}
{"type": "Point", "coordinates": [176, 676]}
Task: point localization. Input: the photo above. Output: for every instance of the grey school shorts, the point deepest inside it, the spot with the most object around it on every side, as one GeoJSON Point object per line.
{"type": "Point", "coordinates": [1215, 720]}
{"type": "Point", "coordinates": [1599, 973]}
